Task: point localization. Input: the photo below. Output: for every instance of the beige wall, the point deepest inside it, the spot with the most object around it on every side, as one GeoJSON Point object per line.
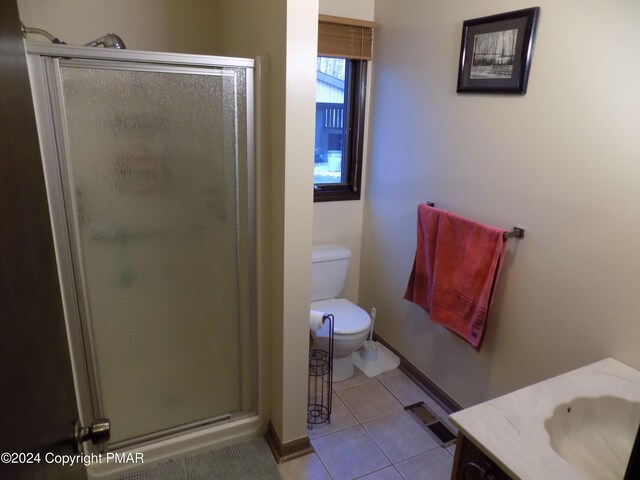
{"type": "Point", "coordinates": [360, 9]}
{"type": "Point", "coordinates": [341, 222]}
{"type": "Point", "coordinates": [287, 31]}
{"type": "Point", "coordinates": [181, 26]}
{"type": "Point", "coordinates": [562, 161]}
{"type": "Point", "coordinates": [302, 34]}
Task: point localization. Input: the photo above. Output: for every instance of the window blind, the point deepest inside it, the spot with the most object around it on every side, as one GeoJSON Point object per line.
{"type": "Point", "coordinates": [345, 38]}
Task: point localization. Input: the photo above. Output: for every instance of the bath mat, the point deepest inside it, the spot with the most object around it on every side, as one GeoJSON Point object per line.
{"type": "Point", "coordinates": [386, 360]}
{"type": "Point", "coordinates": [250, 460]}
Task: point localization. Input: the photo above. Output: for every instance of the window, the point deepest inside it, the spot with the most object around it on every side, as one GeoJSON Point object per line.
{"type": "Point", "coordinates": [340, 95]}
{"type": "Point", "coordinates": [343, 50]}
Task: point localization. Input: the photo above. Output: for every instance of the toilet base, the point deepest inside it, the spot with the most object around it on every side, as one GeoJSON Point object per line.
{"type": "Point", "coordinates": [342, 368]}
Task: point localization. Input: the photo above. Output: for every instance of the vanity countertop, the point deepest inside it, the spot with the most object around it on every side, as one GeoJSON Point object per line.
{"type": "Point", "coordinates": [510, 429]}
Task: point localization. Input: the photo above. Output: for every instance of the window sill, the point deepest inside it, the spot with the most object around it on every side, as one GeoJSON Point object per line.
{"type": "Point", "coordinates": [335, 195]}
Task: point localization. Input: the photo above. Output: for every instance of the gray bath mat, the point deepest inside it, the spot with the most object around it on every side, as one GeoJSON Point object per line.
{"type": "Point", "coordinates": [250, 460]}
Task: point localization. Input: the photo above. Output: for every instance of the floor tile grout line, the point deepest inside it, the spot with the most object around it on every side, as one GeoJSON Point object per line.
{"type": "Point", "coordinates": [376, 443]}
{"type": "Point", "coordinates": [444, 420]}
{"type": "Point", "coordinates": [372, 439]}
{"type": "Point", "coordinates": [424, 389]}
{"type": "Point", "coordinates": [340, 429]}
{"type": "Point", "coordinates": [326, 469]}
{"type": "Point", "coordinates": [335, 431]}
{"type": "Point", "coordinates": [370, 421]}
{"type": "Point", "coordinates": [362, 425]}
{"type": "Point", "coordinates": [380, 469]}
{"type": "Point", "coordinates": [394, 395]}
{"type": "Point", "coordinates": [373, 419]}
{"type": "Point", "coordinates": [369, 380]}
{"type": "Point", "coordinates": [421, 453]}
{"type": "Point", "coordinates": [380, 418]}
{"type": "Point", "coordinates": [337, 392]}
{"type": "Point", "coordinates": [429, 396]}
{"type": "Point", "coordinates": [436, 446]}
{"type": "Point", "coordinates": [347, 407]}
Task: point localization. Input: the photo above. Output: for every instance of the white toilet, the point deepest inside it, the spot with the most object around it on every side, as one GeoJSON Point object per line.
{"type": "Point", "coordinates": [351, 323]}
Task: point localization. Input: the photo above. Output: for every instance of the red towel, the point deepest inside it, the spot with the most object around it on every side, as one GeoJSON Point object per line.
{"type": "Point", "coordinates": [455, 271]}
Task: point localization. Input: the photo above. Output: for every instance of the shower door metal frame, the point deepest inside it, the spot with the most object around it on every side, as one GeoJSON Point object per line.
{"type": "Point", "coordinates": [44, 62]}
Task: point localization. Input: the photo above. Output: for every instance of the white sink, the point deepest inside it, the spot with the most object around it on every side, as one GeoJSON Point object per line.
{"type": "Point", "coordinates": [576, 426]}
{"type": "Point", "coordinates": [595, 434]}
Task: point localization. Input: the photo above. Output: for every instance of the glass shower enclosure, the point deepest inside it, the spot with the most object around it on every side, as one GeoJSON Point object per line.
{"type": "Point", "coordinates": [148, 161]}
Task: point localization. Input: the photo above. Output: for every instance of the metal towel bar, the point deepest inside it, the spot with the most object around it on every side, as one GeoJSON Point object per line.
{"type": "Point", "coordinates": [517, 232]}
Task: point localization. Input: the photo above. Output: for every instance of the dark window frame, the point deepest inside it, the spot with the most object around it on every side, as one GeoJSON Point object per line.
{"type": "Point", "coordinates": [354, 133]}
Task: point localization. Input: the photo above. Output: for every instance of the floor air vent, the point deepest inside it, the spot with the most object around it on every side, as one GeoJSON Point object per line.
{"type": "Point", "coordinates": [434, 427]}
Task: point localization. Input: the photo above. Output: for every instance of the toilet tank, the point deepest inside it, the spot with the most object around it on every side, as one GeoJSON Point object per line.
{"type": "Point", "coordinates": [329, 267]}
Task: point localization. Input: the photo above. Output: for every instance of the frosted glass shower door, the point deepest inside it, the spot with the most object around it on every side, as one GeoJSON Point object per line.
{"type": "Point", "coordinates": [154, 177]}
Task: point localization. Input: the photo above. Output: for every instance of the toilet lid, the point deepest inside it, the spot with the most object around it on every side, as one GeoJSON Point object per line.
{"type": "Point", "coordinates": [347, 317]}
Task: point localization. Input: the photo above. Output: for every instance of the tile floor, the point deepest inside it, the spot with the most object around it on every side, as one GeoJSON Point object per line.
{"type": "Point", "coordinates": [371, 437]}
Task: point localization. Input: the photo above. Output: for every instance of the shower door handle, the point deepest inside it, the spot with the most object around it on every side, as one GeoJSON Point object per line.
{"type": "Point", "coordinates": [98, 432]}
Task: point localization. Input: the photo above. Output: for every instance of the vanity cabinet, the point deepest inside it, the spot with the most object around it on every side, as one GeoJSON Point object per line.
{"type": "Point", "coordinates": [470, 463]}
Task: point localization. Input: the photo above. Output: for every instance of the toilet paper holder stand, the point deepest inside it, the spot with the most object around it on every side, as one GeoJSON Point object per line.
{"type": "Point", "coordinates": [321, 381]}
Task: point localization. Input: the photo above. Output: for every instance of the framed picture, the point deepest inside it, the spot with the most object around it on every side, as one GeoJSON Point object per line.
{"type": "Point", "coordinates": [496, 51]}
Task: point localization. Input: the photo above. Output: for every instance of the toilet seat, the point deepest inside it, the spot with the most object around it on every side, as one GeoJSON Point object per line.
{"type": "Point", "coordinates": [348, 318]}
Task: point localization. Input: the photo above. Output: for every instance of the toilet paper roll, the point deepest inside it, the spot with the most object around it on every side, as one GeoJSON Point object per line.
{"type": "Point", "coordinates": [316, 320]}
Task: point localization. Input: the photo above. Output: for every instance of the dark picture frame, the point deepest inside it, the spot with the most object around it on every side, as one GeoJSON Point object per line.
{"type": "Point", "coordinates": [496, 51]}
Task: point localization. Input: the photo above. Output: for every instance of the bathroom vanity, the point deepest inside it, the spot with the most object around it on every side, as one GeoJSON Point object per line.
{"type": "Point", "coordinates": [473, 463]}
{"type": "Point", "coordinates": [580, 425]}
